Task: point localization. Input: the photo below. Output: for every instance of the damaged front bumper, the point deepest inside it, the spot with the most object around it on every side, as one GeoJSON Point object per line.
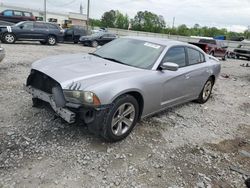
{"type": "Point", "coordinates": [93, 117]}
{"type": "Point", "coordinates": [64, 113]}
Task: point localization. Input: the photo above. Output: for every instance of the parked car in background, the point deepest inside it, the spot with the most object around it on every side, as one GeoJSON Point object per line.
{"type": "Point", "coordinates": [46, 33]}
{"type": "Point", "coordinates": [237, 38]}
{"type": "Point", "coordinates": [2, 53]}
{"type": "Point", "coordinates": [216, 48]}
{"type": "Point", "coordinates": [120, 83]}
{"type": "Point", "coordinates": [16, 16]}
{"type": "Point", "coordinates": [74, 33]}
{"type": "Point", "coordinates": [97, 39]}
{"type": "Point", "coordinates": [243, 50]}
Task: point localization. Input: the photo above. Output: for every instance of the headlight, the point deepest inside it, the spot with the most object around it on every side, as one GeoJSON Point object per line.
{"type": "Point", "coordinates": [84, 97]}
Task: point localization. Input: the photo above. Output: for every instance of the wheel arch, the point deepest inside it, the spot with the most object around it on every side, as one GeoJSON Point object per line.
{"type": "Point", "coordinates": [137, 95]}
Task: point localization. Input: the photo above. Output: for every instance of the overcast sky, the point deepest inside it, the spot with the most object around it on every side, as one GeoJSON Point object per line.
{"type": "Point", "coordinates": [231, 14]}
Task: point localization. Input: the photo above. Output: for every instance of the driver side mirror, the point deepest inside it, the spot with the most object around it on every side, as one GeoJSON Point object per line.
{"type": "Point", "coordinates": [169, 66]}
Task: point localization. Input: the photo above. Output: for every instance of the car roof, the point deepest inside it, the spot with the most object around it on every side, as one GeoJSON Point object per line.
{"type": "Point", "coordinates": [17, 10]}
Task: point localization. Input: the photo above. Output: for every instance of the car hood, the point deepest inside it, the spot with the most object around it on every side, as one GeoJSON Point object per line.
{"type": "Point", "coordinates": [82, 70]}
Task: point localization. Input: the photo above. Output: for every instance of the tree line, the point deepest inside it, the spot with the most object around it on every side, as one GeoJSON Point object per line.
{"type": "Point", "coordinates": [151, 22]}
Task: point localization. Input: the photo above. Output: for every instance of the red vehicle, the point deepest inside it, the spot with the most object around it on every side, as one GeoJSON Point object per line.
{"type": "Point", "coordinates": [16, 16]}
{"type": "Point", "coordinates": [213, 47]}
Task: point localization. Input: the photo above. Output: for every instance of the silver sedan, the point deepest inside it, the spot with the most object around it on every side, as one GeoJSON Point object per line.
{"type": "Point", "coordinates": [123, 81]}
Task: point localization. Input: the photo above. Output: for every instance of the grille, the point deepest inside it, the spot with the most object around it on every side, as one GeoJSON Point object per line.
{"type": "Point", "coordinates": [41, 81]}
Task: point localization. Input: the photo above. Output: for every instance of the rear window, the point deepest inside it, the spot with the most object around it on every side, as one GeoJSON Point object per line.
{"type": "Point", "coordinates": [27, 14]}
{"type": "Point", "coordinates": [8, 13]}
{"type": "Point", "coordinates": [207, 41]}
{"type": "Point", "coordinates": [18, 13]}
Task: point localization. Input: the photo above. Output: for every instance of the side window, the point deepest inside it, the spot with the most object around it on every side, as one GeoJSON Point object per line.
{"type": "Point", "coordinates": [194, 56]}
{"type": "Point", "coordinates": [27, 25]}
{"type": "Point", "coordinates": [38, 25]}
{"type": "Point", "coordinates": [51, 26]}
{"type": "Point", "coordinates": [18, 13]}
{"type": "Point", "coordinates": [8, 13]}
{"type": "Point", "coordinates": [176, 55]}
{"type": "Point", "coordinates": [27, 14]}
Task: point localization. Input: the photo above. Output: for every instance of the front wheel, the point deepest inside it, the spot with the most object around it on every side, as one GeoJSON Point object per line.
{"type": "Point", "coordinates": [206, 91]}
{"type": "Point", "coordinates": [9, 38]}
{"type": "Point", "coordinates": [121, 119]}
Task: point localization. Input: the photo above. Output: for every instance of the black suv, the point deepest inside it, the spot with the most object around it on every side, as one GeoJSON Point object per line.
{"type": "Point", "coordinates": [46, 33]}
{"type": "Point", "coordinates": [16, 16]}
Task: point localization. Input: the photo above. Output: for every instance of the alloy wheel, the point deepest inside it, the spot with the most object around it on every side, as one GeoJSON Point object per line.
{"type": "Point", "coordinates": [9, 38]}
{"type": "Point", "coordinates": [207, 90]}
{"type": "Point", "coordinates": [123, 119]}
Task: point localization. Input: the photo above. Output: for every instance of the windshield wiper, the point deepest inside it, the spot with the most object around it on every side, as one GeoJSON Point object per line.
{"type": "Point", "coordinates": [115, 60]}
{"type": "Point", "coordinates": [95, 55]}
{"type": "Point", "coordinates": [108, 58]}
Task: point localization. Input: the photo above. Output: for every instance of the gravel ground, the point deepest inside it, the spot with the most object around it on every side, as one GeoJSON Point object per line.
{"type": "Point", "coordinates": [191, 145]}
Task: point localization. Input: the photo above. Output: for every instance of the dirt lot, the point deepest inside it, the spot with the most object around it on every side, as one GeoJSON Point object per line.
{"type": "Point", "coordinates": [191, 145]}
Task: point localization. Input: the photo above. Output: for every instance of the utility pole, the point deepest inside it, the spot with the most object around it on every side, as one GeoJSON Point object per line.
{"type": "Point", "coordinates": [173, 22]}
{"type": "Point", "coordinates": [88, 15]}
{"type": "Point", "coordinates": [45, 10]}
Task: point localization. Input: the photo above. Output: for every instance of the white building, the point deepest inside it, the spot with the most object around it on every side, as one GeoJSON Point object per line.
{"type": "Point", "coordinates": [60, 18]}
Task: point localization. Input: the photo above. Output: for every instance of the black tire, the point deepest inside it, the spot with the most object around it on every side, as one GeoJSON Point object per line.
{"type": "Point", "coordinates": [94, 44]}
{"type": "Point", "coordinates": [37, 102]}
{"type": "Point", "coordinates": [203, 99]}
{"type": "Point", "coordinates": [108, 130]}
{"type": "Point", "coordinates": [237, 57]}
{"type": "Point", "coordinates": [43, 42]}
{"type": "Point", "coordinates": [75, 42]}
{"type": "Point", "coordinates": [9, 38]}
{"type": "Point", "coordinates": [224, 58]}
{"type": "Point", "coordinates": [51, 40]}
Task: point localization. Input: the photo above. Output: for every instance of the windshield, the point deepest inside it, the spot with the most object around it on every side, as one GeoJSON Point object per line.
{"type": "Point", "coordinates": [132, 52]}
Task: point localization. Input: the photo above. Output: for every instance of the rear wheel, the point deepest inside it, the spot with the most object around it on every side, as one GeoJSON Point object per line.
{"type": "Point", "coordinates": [51, 40]}
{"type": "Point", "coordinates": [9, 38]}
{"type": "Point", "coordinates": [121, 119]}
{"type": "Point", "coordinates": [206, 91]}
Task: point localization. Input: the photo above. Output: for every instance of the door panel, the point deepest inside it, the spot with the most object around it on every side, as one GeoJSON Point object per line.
{"type": "Point", "coordinates": [175, 87]}
{"type": "Point", "coordinates": [25, 31]}
{"type": "Point", "coordinates": [40, 31]}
